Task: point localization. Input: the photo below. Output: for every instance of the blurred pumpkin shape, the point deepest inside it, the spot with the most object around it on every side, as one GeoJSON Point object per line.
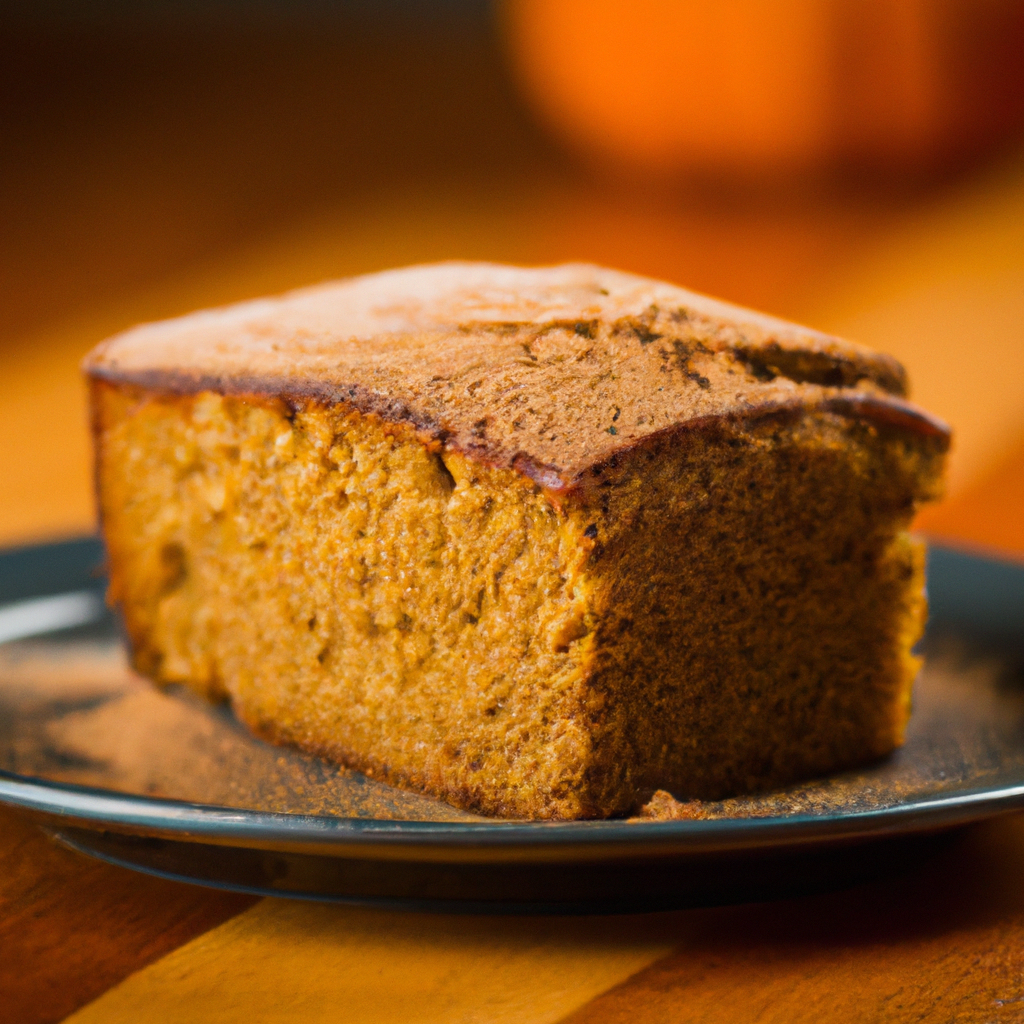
{"type": "Point", "coordinates": [749, 87]}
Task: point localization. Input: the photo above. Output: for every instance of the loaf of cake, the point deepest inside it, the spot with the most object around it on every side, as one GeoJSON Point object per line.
{"type": "Point", "coordinates": [538, 542]}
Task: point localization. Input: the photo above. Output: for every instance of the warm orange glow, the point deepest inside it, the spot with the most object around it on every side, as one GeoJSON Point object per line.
{"type": "Point", "coordinates": [766, 88]}
{"type": "Point", "coordinates": [667, 82]}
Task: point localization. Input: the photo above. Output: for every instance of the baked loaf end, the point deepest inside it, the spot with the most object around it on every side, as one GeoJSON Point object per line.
{"type": "Point", "coordinates": [536, 541]}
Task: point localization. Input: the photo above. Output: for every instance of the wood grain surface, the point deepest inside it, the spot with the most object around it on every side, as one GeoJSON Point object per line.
{"type": "Point", "coordinates": [943, 944]}
{"type": "Point", "coordinates": [946, 944]}
{"type": "Point", "coordinates": [71, 927]}
{"type": "Point", "coordinates": [316, 963]}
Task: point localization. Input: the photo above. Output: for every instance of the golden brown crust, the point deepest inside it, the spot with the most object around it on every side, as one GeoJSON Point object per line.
{"type": "Point", "coordinates": [552, 371]}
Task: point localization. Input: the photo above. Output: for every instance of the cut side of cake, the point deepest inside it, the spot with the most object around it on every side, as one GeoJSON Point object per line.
{"type": "Point", "coordinates": [536, 541]}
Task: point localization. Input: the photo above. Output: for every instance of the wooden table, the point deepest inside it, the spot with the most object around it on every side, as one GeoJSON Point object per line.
{"type": "Point", "coordinates": [935, 277]}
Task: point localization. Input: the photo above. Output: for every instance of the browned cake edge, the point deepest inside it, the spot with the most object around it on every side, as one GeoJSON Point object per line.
{"type": "Point", "coordinates": [882, 409]}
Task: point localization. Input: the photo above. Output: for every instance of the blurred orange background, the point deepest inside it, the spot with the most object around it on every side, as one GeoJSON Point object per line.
{"type": "Point", "coordinates": [854, 165]}
{"type": "Point", "coordinates": [743, 88]}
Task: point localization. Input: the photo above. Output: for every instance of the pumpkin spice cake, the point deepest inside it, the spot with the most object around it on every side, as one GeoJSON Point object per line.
{"type": "Point", "coordinates": [536, 541]}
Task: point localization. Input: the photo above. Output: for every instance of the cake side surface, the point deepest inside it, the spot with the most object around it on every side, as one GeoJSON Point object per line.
{"type": "Point", "coordinates": [550, 370]}
{"type": "Point", "coordinates": [761, 601]}
{"type": "Point", "coordinates": [351, 592]}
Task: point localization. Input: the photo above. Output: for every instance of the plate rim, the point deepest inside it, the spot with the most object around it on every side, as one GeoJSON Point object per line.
{"type": "Point", "coordinates": [157, 817]}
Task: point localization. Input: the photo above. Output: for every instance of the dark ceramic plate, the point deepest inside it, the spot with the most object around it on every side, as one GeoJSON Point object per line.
{"type": "Point", "coordinates": [164, 783]}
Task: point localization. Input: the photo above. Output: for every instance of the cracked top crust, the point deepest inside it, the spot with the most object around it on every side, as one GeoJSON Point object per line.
{"type": "Point", "coordinates": [552, 370]}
